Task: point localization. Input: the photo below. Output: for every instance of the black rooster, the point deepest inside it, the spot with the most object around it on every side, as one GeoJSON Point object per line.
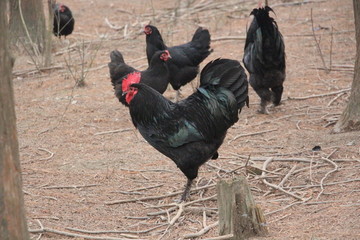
{"type": "Point", "coordinates": [63, 20]}
{"type": "Point", "coordinates": [190, 131]}
{"type": "Point", "coordinates": [155, 76]}
{"type": "Point", "coordinates": [264, 58]}
{"type": "Point", "coordinates": [184, 65]}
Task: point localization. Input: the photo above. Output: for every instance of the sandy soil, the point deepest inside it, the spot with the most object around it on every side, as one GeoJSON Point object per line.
{"type": "Point", "coordinates": [80, 151]}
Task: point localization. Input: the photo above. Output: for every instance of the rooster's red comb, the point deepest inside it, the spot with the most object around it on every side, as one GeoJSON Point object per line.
{"type": "Point", "coordinates": [131, 78]}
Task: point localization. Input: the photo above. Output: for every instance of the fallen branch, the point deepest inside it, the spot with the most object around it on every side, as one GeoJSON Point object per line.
{"type": "Point", "coordinates": [178, 214]}
{"type": "Point", "coordinates": [223, 237]}
{"type": "Point", "coordinates": [118, 231]}
{"type": "Point", "coordinates": [113, 26]}
{"type": "Point", "coordinates": [202, 231]}
{"type": "Point", "coordinates": [317, 42]}
{"type": "Point", "coordinates": [42, 196]}
{"type": "Point", "coordinates": [45, 150]}
{"type": "Point", "coordinates": [296, 3]}
{"type": "Point", "coordinates": [327, 174]}
{"type": "Point", "coordinates": [263, 175]}
{"type": "Point", "coordinates": [251, 134]}
{"type": "Point", "coordinates": [281, 218]}
{"type": "Point", "coordinates": [320, 95]}
{"type": "Point", "coordinates": [335, 98]}
{"type": "Point", "coordinates": [113, 131]}
{"type": "Point", "coordinates": [282, 209]}
{"type": "Point", "coordinates": [305, 160]}
{"type": "Point", "coordinates": [334, 69]}
{"type": "Point", "coordinates": [68, 234]}
{"type": "Point", "coordinates": [217, 167]}
{"type": "Point", "coordinates": [174, 208]}
{"type": "Point", "coordinates": [73, 186]}
{"type": "Point", "coordinates": [157, 197]}
{"type": "Point", "coordinates": [292, 170]}
{"type": "Point", "coordinates": [325, 33]}
{"type": "Point", "coordinates": [145, 188]}
{"type": "Point", "coordinates": [147, 170]}
{"type": "Point", "coordinates": [228, 38]}
{"type": "Point", "coordinates": [35, 70]}
{"type": "Point", "coordinates": [325, 184]}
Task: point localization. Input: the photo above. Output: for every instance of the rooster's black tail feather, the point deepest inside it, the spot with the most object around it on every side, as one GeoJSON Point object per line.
{"type": "Point", "coordinates": [229, 74]}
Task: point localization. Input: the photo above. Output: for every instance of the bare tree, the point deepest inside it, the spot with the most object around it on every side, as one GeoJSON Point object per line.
{"type": "Point", "coordinates": [350, 118]}
{"type": "Point", "coordinates": [12, 218]}
{"type": "Point", "coordinates": [28, 29]}
{"type": "Point", "coordinates": [27, 22]}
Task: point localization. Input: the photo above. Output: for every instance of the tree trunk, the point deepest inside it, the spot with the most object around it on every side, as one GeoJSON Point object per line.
{"type": "Point", "coordinates": [12, 218]}
{"type": "Point", "coordinates": [27, 25]}
{"type": "Point", "coordinates": [350, 118]}
{"type": "Point", "coordinates": [48, 34]}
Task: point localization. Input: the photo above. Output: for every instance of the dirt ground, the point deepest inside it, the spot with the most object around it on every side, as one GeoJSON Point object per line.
{"type": "Point", "coordinates": [79, 150]}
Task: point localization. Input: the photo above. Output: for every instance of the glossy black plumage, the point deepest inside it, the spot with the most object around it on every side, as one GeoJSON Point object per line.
{"type": "Point", "coordinates": [155, 76]}
{"type": "Point", "coordinates": [184, 64]}
{"type": "Point", "coordinates": [64, 21]}
{"type": "Point", "coordinates": [191, 131]}
{"type": "Point", "coordinates": [264, 58]}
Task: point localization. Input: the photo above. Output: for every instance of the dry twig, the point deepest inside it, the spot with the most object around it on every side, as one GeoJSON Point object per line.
{"type": "Point", "coordinates": [178, 214]}
{"type": "Point", "coordinates": [113, 26]}
{"type": "Point", "coordinates": [335, 98]}
{"type": "Point", "coordinates": [223, 237]}
{"type": "Point", "coordinates": [282, 209]}
{"type": "Point", "coordinates": [68, 234]}
{"type": "Point", "coordinates": [112, 231]}
{"type": "Point", "coordinates": [228, 38]}
{"type": "Point", "coordinates": [326, 175]}
{"type": "Point", "coordinates": [145, 188]}
{"type": "Point", "coordinates": [45, 150]}
{"type": "Point", "coordinates": [287, 4]}
{"type": "Point", "coordinates": [157, 197]}
{"type": "Point", "coordinates": [325, 184]}
{"type": "Point", "coordinates": [175, 206]}
{"type": "Point", "coordinates": [292, 170]}
{"type": "Point", "coordinates": [73, 186]}
{"type": "Point", "coordinates": [263, 175]}
{"type": "Point", "coordinates": [251, 134]}
{"type": "Point", "coordinates": [113, 131]}
{"type": "Point", "coordinates": [320, 95]}
{"type": "Point", "coordinates": [202, 231]}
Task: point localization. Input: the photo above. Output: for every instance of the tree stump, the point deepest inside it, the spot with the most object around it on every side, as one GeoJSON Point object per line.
{"type": "Point", "coordinates": [238, 213]}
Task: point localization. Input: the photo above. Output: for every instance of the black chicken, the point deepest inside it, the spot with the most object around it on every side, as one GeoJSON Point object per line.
{"type": "Point", "coordinates": [190, 131]}
{"type": "Point", "coordinates": [184, 65]}
{"type": "Point", "coordinates": [264, 58]}
{"type": "Point", "coordinates": [63, 20]}
{"type": "Point", "coordinates": [155, 76]}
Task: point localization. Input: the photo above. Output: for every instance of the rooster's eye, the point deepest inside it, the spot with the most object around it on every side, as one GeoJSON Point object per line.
{"type": "Point", "coordinates": [148, 30]}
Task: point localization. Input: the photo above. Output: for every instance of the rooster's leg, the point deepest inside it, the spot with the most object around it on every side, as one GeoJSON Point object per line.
{"type": "Point", "coordinates": [277, 92]}
{"type": "Point", "coordinates": [265, 96]}
{"type": "Point", "coordinates": [178, 95]}
{"type": "Point", "coordinates": [263, 107]}
{"type": "Point", "coordinates": [186, 192]}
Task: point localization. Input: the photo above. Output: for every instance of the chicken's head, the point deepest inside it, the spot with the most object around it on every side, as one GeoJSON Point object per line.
{"type": "Point", "coordinates": [148, 30]}
{"type": "Point", "coordinates": [61, 7]}
{"type": "Point", "coordinates": [130, 92]}
{"type": "Point", "coordinates": [165, 55]}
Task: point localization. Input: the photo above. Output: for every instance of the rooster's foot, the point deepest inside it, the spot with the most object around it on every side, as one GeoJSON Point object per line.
{"type": "Point", "coordinates": [263, 110]}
